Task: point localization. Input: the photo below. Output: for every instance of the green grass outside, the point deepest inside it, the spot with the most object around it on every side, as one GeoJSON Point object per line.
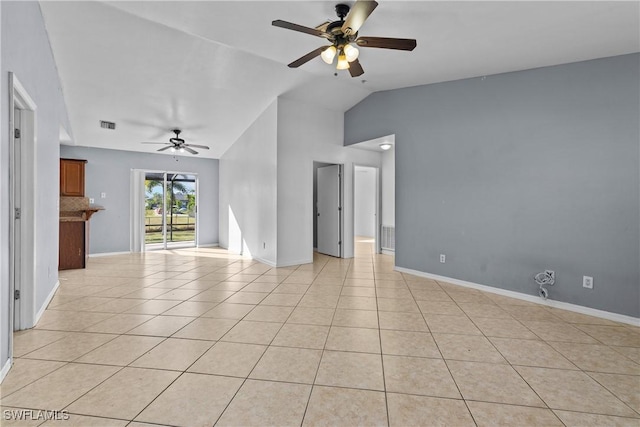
{"type": "Point", "coordinates": [183, 228]}
{"type": "Point", "coordinates": [178, 236]}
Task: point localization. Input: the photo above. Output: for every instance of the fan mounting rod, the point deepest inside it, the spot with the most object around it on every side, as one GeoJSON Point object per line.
{"type": "Point", "coordinates": [342, 10]}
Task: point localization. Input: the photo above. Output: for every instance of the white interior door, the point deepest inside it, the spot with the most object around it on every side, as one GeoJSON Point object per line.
{"type": "Point", "coordinates": [22, 228]}
{"type": "Point", "coordinates": [17, 214]}
{"type": "Point", "coordinates": [329, 210]}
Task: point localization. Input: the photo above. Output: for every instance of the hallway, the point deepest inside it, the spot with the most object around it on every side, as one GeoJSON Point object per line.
{"type": "Point", "coordinates": [200, 337]}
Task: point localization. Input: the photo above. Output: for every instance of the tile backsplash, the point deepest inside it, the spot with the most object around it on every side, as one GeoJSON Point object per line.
{"type": "Point", "coordinates": [70, 204]}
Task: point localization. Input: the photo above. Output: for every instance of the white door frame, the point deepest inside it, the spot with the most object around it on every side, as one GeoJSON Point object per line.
{"type": "Point", "coordinates": [25, 279]}
{"type": "Point", "coordinates": [378, 209]}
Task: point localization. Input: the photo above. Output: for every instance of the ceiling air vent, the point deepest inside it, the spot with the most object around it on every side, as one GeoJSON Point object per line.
{"type": "Point", "coordinates": [107, 125]}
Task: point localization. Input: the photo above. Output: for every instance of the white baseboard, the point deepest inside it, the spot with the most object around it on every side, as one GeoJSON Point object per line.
{"type": "Point", "coordinates": [530, 298]}
{"type": "Point", "coordinates": [264, 261]}
{"type": "Point", "coordinates": [296, 262]}
{"type": "Point", "coordinates": [282, 264]}
{"type": "Point", "coordinates": [388, 252]}
{"type": "Point", "coordinates": [46, 303]}
{"type": "Point", "coordinates": [209, 245]}
{"type": "Point", "coordinates": [5, 369]}
{"type": "Point", "coordinates": [108, 254]}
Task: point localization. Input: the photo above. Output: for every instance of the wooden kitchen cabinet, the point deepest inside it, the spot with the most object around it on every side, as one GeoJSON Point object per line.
{"type": "Point", "coordinates": [71, 252]}
{"type": "Point", "coordinates": [72, 177]}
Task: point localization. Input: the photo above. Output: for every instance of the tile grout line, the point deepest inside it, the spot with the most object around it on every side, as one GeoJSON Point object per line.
{"type": "Point", "coordinates": [384, 377]}
{"type": "Point", "coordinates": [168, 386]}
{"type": "Point", "coordinates": [496, 349]}
{"type": "Point", "coordinates": [446, 364]}
{"type": "Point", "coordinates": [315, 377]}
{"type": "Point", "coordinates": [244, 380]}
{"type": "Point", "coordinates": [339, 268]}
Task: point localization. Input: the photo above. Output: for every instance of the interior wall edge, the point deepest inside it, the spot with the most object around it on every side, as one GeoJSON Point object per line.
{"type": "Point", "coordinates": [46, 303]}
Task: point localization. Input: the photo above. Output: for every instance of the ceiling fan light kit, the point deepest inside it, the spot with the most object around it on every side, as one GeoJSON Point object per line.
{"type": "Point", "coordinates": [328, 54]}
{"type": "Point", "coordinates": [351, 52]}
{"type": "Point", "coordinates": [343, 64]}
{"type": "Point", "coordinates": [343, 34]}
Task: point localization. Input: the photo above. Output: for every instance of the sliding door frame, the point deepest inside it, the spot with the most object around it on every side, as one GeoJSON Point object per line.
{"type": "Point", "coordinates": [138, 210]}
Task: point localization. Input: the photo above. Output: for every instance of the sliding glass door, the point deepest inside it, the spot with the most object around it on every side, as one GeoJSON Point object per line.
{"type": "Point", "coordinates": [170, 209]}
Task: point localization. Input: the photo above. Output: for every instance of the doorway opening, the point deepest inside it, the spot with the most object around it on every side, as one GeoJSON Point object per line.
{"type": "Point", "coordinates": [327, 208]}
{"type": "Point", "coordinates": [386, 183]}
{"type": "Point", "coordinates": [366, 206]}
{"type": "Point", "coordinates": [170, 210]}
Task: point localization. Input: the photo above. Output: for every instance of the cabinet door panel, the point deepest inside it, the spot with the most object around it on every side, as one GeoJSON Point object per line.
{"type": "Point", "coordinates": [72, 245]}
{"type": "Point", "coordinates": [72, 178]}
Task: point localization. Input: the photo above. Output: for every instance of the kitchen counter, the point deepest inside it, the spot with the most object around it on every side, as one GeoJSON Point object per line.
{"type": "Point", "coordinates": [79, 215]}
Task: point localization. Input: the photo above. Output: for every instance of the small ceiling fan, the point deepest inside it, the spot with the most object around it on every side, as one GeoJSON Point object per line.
{"type": "Point", "coordinates": [178, 144]}
{"type": "Point", "coordinates": [343, 34]}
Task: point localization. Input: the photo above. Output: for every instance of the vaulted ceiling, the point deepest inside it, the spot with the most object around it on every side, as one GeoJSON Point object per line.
{"type": "Point", "coordinates": [211, 67]}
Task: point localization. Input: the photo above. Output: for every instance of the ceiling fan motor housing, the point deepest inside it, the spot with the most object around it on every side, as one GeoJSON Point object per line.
{"type": "Point", "coordinates": [177, 140]}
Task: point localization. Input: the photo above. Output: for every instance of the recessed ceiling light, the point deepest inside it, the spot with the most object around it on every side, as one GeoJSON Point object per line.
{"type": "Point", "coordinates": [385, 146]}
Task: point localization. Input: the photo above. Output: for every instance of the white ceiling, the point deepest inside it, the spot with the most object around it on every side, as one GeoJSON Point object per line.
{"type": "Point", "coordinates": [211, 67]}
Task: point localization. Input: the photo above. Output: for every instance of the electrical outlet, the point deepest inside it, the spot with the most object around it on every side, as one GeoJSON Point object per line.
{"type": "Point", "coordinates": [92, 200]}
{"type": "Point", "coordinates": [587, 282]}
{"type": "Point", "coordinates": [443, 258]}
{"type": "Point", "coordinates": [103, 195]}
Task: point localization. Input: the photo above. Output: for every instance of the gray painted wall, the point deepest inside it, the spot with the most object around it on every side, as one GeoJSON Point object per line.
{"type": "Point", "coordinates": [26, 52]}
{"type": "Point", "coordinates": [109, 171]}
{"type": "Point", "coordinates": [512, 174]}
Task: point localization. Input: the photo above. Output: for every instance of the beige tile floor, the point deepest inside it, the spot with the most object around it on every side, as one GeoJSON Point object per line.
{"type": "Point", "coordinates": [203, 338]}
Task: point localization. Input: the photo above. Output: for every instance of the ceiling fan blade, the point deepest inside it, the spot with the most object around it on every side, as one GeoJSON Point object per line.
{"type": "Point", "coordinates": [323, 26]}
{"type": "Point", "coordinates": [145, 142]}
{"type": "Point", "coordinates": [189, 150]}
{"type": "Point", "coordinates": [386, 43]}
{"type": "Point", "coordinates": [358, 14]}
{"type": "Point", "coordinates": [204, 147]}
{"type": "Point", "coordinates": [165, 148]}
{"type": "Point", "coordinates": [308, 57]}
{"type": "Point", "coordinates": [295, 27]}
{"type": "Point", "coordinates": [355, 69]}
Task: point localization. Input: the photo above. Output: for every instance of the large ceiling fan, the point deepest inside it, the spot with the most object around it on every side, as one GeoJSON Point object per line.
{"type": "Point", "coordinates": [178, 144]}
{"type": "Point", "coordinates": [343, 34]}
